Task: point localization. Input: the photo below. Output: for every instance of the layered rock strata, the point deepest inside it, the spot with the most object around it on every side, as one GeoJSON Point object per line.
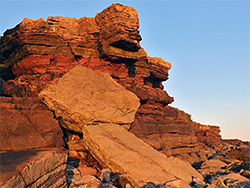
{"type": "Point", "coordinates": [37, 53]}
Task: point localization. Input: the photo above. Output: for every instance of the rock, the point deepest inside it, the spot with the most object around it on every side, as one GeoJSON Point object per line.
{"type": "Point", "coordinates": [87, 170]}
{"type": "Point", "coordinates": [212, 167]}
{"type": "Point", "coordinates": [244, 184]}
{"type": "Point", "coordinates": [83, 96]}
{"type": "Point", "coordinates": [36, 53]}
{"type": "Point", "coordinates": [34, 168]}
{"type": "Point", "coordinates": [197, 183]}
{"type": "Point", "coordinates": [236, 143]}
{"type": "Point", "coordinates": [150, 185]}
{"type": "Point", "coordinates": [245, 173]}
{"type": "Point", "coordinates": [123, 153]}
{"type": "Point", "coordinates": [158, 71]}
{"type": "Point", "coordinates": [76, 145]}
{"type": "Point", "coordinates": [178, 183]}
{"type": "Point", "coordinates": [128, 186]}
{"type": "Point", "coordinates": [231, 179]}
{"type": "Point", "coordinates": [240, 154]}
{"type": "Point", "coordinates": [85, 181]}
{"type": "Point", "coordinates": [63, 25]}
{"type": "Point", "coordinates": [26, 123]}
{"type": "Point", "coordinates": [213, 163]}
{"type": "Point", "coordinates": [119, 35]}
{"type": "Point", "coordinates": [148, 94]}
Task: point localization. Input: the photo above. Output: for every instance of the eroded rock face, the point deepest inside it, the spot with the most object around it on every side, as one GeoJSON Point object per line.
{"type": "Point", "coordinates": [83, 96]}
{"type": "Point", "coordinates": [26, 123]}
{"type": "Point", "coordinates": [36, 53]}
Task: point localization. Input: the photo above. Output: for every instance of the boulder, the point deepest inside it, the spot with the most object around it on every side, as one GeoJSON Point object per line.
{"type": "Point", "coordinates": [33, 168]}
{"type": "Point", "coordinates": [85, 181]}
{"type": "Point", "coordinates": [177, 183]}
{"type": "Point", "coordinates": [124, 153]}
{"type": "Point", "coordinates": [213, 163]}
{"type": "Point", "coordinates": [26, 123]}
{"type": "Point", "coordinates": [228, 180]}
{"type": "Point", "coordinates": [83, 96]}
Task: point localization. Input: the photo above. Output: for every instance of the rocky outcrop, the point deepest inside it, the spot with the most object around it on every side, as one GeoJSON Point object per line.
{"type": "Point", "coordinates": [26, 123]}
{"type": "Point", "coordinates": [35, 168]}
{"type": "Point", "coordinates": [37, 53]}
{"type": "Point", "coordinates": [133, 159]}
{"type": "Point", "coordinates": [83, 97]}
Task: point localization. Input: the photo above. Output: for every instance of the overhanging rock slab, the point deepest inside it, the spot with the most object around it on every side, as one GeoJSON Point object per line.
{"type": "Point", "coordinates": [83, 96]}
{"type": "Point", "coordinates": [124, 153]}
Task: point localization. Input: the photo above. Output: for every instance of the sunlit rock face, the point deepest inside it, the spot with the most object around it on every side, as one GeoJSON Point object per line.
{"type": "Point", "coordinates": [84, 97]}
{"type": "Point", "coordinates": [37, 53]}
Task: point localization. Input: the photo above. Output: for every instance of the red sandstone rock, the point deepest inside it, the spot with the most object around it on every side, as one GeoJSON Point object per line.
{"type": "Point", "coordinates": [26, 123]}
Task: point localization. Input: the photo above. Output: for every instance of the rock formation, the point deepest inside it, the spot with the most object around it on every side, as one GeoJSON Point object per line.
{"type": "Point", "coordinates": [37, 53]}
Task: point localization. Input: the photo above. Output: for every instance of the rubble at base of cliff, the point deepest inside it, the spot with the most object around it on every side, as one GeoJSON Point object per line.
{"type": "Point", "coordinates": [83, 105]}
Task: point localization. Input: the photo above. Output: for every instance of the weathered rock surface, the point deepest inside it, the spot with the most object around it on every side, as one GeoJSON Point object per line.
{"type": "Point", "coordinates": [34, 168]}
{"type": "Point", "coordinates": [26, 123]}
{"type": "Point", "coordinates": [125, 154]}
{"type": "Point", "coordinates": [83, 96]}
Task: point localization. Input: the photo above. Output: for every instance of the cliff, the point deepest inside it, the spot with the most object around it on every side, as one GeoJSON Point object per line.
{"type": "Point", "coordinates": [37, 53]}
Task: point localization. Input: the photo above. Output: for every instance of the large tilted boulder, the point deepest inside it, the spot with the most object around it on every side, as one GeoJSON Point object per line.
{"type": "Point", "coordinates": [125, 154]}
{"type": "Point", "coordinates": [83, 96]}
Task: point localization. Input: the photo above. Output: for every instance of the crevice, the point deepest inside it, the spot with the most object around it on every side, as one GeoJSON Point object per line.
{"type": "Point", "coordinates": [22, 178]}
{"type": "Point", "coordinates": [77, 57]}
{"type": "Point", "coordinates": [34, 127]}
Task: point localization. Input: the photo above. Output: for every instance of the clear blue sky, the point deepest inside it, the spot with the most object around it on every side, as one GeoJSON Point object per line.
{"type": "Point", "coordinates": [207, 43]}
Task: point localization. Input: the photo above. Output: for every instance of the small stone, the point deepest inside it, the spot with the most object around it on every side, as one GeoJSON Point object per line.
{"type": "Point", "coordinates": [128, 186]}
{"type": "Point", "coordinates": [73, 153]}
{"type": "Point", "coordinates": [178, 183]}
{"type": "Point", "coordinates": [87, 170]}
{"type": "Point", "coordinates": [88, 180]}
{"type": "Point", "coordinates": [149, 185]}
